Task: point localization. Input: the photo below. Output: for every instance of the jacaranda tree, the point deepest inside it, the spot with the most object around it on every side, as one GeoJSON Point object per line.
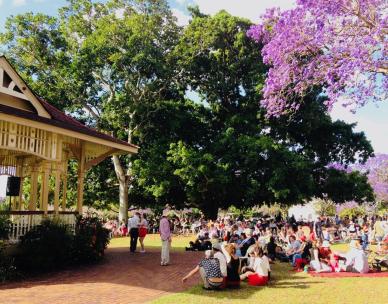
{"type": "Point", "coordinates": [340, 44]}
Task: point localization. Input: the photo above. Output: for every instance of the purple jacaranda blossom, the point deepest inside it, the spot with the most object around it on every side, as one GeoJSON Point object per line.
{"type": "Point", "coordinates": [376, 169]}
{"type": "Point", "coordinates": [338, 44]}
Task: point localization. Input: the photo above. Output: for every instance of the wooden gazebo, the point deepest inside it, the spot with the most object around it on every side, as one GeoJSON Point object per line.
{"type": "Point", "coordinates": [37, 141]}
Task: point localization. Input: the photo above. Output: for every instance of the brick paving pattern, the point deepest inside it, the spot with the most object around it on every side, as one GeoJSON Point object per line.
{"type": "Point", "coordinates": [122, 278]}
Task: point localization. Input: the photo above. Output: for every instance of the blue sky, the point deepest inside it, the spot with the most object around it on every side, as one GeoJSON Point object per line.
{"type": "Point", "coordinates": [371, 119]}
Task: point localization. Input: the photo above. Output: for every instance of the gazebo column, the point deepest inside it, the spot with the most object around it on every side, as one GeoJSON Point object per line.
{"type": "Point", "coordinates": [64, 187]}
{"type": "Point", "coordinates": [45, 187]}
{"type": "Point", "coordinates": [81, 177]}
{"type": "Point", "coordinates": [64, 180]}
{"type": "Point", "coordinates": [34, 188]}
{"type": "Point", "coordinates": [19, 172]}
{"type": "Point", "coordinates": [57, 188]}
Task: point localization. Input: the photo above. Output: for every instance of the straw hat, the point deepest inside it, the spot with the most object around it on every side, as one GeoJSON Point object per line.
{"type": "Point", "coordinates": [217, 246]}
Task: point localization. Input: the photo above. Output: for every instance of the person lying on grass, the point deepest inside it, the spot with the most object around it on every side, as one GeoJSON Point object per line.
{"type": "Point", "coordinates": [210, 272]}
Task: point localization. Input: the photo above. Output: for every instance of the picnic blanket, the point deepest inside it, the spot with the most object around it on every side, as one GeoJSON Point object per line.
{"type": "Point", "coordinates": [383, 274]}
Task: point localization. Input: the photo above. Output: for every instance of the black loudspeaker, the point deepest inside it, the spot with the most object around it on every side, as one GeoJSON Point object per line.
{"type": "Point", "coordinates": [13, 186]}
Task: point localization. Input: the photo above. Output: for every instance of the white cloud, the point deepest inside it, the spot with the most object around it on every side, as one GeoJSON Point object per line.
{"type": "Point", "coordinates": [251, 9]}
{"type": "Point", "coordinates": [183, 19]}
{"type": "Point", "coordinates": [19, 2]}
{"type": "Point", "coordinates": [182, 2]}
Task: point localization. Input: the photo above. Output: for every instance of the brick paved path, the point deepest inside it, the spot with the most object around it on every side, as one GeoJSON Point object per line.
{"type": "Point", "coordinates": [122, 278]}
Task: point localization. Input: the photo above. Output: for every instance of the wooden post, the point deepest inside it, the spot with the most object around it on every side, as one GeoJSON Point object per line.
{"type": "Point", "coordinates": [45, 187]}
{"type": "Point", "coordinates": [81, 177]}
{"type": "Point", "coordinates": [57, 189]}
{"type": "Point", "coordinates": [64, 186]}
{"type": "Point", "coordinates": [19, 172]}
{"type": "Point", "coordinates": [34, 189]}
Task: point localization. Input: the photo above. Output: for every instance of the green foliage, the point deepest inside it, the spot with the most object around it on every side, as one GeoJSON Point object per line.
{"type": "Point", "coordinates": [8, 270]}
{"type": "Point", "coordinates": [90, 240]}
{"type": "Point", "coordinates": [45, 247]}
{"type": "Point", "coordinates": [324, 207]}
{"type": "Point", "coordinates": [341, 186]}
{"type": "Point", "coordinates": [52, 246]}
{"type": "Point", "coordinates": [382, 208]}
{"type": "Point", "coordinates": [352, 212]}
{"type": "Point", "coordinates": [4, 227]}
{"type": "Point", "coordinates": [129, 75]}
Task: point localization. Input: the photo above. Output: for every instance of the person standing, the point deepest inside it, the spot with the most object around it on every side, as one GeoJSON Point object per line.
{"type": "Point", "coordinates": [133, 226]}
{"type": "Point", "coordinates": [165, 235]}
{"type": "Point", "coordinates": [143, 228]}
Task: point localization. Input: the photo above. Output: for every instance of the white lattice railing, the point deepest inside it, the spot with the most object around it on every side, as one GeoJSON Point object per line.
{"type": "Point", "coordinates": [24, 221]}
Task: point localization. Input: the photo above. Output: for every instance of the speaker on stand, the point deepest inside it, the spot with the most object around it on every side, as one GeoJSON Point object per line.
{"type": "Point", "coordinates": [13, 187]}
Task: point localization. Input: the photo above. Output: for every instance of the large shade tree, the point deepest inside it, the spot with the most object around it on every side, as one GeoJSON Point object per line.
{"type": "Point", "coordinates": [124, 67]}
{"type": "Point", "coordinates": [340, 44]}
{"type": "Point", "coordinates": [99, 60]}
{"type": "Point", "coordinates": [244, 158]}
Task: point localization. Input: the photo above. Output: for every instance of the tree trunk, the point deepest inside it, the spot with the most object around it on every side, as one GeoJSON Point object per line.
{"type": "Point", "coordinates": [123, 188]}
{"type": "Point", "coordinates": [123, 199]}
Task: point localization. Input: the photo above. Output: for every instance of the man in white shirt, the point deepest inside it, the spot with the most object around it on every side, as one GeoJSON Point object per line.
{"type": "Point", "coordinates": [133, 228]}
{"type": "Point", "coordinates": [217, 249]}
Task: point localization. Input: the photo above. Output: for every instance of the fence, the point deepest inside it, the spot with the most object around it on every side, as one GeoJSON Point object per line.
{"type": "Point", "coordinates": [24, 221]}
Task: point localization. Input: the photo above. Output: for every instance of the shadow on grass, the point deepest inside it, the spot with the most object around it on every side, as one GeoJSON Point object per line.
{"type": "Point", "coordinates": [281, 278]}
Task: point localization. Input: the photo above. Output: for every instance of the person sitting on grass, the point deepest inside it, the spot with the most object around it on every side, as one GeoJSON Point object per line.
{"type": "Point", "coordinates": [271, 249]}
{"type": "Point", "coordinates": [302, 255]}
{"type": "Point", "coordinates": [218, 254]}
{"type": "Point", "coordinates": [292, 248]}
{"type": "Point", "coordinates": [202, 243]}
{"type": "Point", "coordinates": [356, 259]}
{"type": "Point", "coordinates": [210, 272]}
{"type": "Point", "coordinates": [233, 266]}
{"type": "Point", "coordinates": [249, 241]}
{"type": "Point", "coordinates": [323, 258]}
{"type": "Point", "coordinates": [258, 274]}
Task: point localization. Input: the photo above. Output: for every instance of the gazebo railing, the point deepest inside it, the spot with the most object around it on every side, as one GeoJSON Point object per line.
{"type": "Point", "coordinates": [24, 221]}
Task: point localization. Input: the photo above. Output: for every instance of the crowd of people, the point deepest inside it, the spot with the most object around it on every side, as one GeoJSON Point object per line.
{"type": "Point", "coordinates": [237, 250]}
{"type": "Point", "coordinates": [244, 249]}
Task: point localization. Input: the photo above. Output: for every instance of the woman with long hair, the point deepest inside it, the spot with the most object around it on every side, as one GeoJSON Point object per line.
{"type": "Point", "coordinates": [233, 266]}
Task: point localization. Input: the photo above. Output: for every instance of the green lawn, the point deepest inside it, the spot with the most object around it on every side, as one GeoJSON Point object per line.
{"type": "Point", "coordinates": [153, 241]}
{"type": "Point", "coordinates": [287, 287]}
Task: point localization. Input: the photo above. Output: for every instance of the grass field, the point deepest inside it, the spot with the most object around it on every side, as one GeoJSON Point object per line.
{"type": "Point", "coordinates": [286, 287]}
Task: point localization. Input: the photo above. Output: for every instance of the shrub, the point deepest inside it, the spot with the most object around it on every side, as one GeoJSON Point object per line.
{"type": "Point", "coordinates": [52, 246]}
{"type": "Point", "coordinates": [45, 248]}
{"type": "Point", "coordinates": [352, 212]}
{"type": "Point", "coordinates": [90, 240]}
{"type": "Point", "coordinates": [8, 270]}
{"type": "Point", "coordinates": [5, 226]}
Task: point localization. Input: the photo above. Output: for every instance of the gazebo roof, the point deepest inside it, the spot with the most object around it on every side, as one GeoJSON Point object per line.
{"type": "Point", "coordinates": [44, 115]}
